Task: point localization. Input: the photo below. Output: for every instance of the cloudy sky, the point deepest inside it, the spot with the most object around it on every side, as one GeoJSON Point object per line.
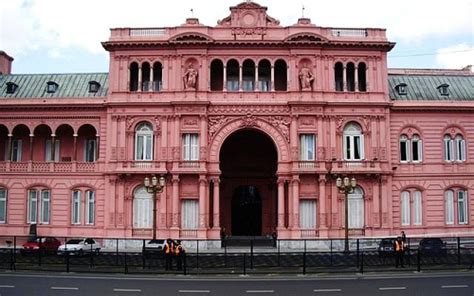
{"type": "Point", "coordinates": [59, 36]}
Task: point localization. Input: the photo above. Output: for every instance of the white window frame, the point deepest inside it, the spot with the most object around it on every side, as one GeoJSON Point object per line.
{"type": "Point", "coordinates": [462, 204]}
{"type": "Point", "coordinates": [3, 205]}
{"type": "Point", "coordinates": [449, 207]}
{"type": "Point", "coordinates": [405, 145]}
{"type": "Point", "coordinates": [307, 147]}
{"type": "Point", "coordinates": [17, 145]}
{"type": "Point", "coordinates": [90, 156]}
{"type": "Point", "coordinates": [76, 207]}
{"type": "Point", "coordinates": [405, 208]}
{"type": "Point", "coordinates": [417, 208]}
{"type": "Point", "coordinates": [308, 214]}
{"type": "Point", "coordinates": [189, 214]}
{"type": "Point", "coordinates": [448, 148]}
{"type": "Point", "coordinates": [460, 148]}
{"type": "Point", "coordinates": [90, 207]}
{"type": "Point", "coordinates": [353, 138]}
{"type": "Point", "coordinates": [142, 209]}
{"type": "Point", "coordinates": [190, 146]}
{"type": "Point", "coordinates": [45, 214]}
{"type": "Point", "coordinates": [144, 137]}
{"type": "Point", "coordinates": [416, 145]}
{"type": "Point", "coordinates": [356, 209]}
{"type": "Point", "coordinates": [47, 150]}
{"type": "Point", "coordinates": [33, 198]}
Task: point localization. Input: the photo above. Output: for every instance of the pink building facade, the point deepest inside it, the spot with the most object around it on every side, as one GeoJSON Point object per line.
{"type": "Point", "coordinates": [250, 123]}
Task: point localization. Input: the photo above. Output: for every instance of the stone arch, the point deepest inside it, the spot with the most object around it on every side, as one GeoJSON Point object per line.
{"type": "Point", "coordinates": [281, 145]}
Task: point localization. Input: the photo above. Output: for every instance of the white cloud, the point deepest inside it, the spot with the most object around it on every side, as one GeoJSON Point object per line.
{"type": "Point", "coordinates": [455, 57]}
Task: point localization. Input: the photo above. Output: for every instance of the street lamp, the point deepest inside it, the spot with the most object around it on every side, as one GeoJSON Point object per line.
{"type": "Point", "coordinates": [346, 186]}
{"type": "Point", "coordinates": [155, 186]}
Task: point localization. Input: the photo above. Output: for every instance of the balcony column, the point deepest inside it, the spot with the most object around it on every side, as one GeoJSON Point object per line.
{"type": "Point", "coordinates": [32, 138]}
{"type": "Point", "coordinates": [151, 86]}
{"type": "Point", "coordinates": [281, 203]}
{"type": "Point", "coordinates": [140, 78]}
{"type": "Point", "coordinates": [322, 201]}
{"type": "Point", "coordinates": [175, 202]}
{"type": "Point", "coordinates": [241, 73]}
{"type": "Point", "coordinates": [74, 154]}
{"type": "Point", "coordinates": [344, 78]}
{"type": "Point", "coordinates": [53, 147]}
{"type": "Point", "coordinates": [272, 78]}
{"type": "Point", "coordinates": [97, 142]}
{"type": "Point", "coordinates": [10, 148]}
{"type": "Point", "coordinates": [224, 78]}
{"type": "Point", "coordinates": [256, 86]}
{"type": "Point", "coordinates": [295, 183]}
{"type": "Point", "coordinates": [216, 208]}
{"type": "Point", "coordinates": [202, 202]}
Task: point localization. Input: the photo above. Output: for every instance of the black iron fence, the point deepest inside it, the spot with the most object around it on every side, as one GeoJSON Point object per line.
{"type": "Point", "coordinates": [212, 257]}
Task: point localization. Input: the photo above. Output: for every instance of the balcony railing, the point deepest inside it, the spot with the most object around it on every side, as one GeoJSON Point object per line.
{"type": "Point", "coordinates": [309, 233]}
{"type": "Point", "coordinates": [147, 32]}
{"type": "Point", "coordinates": [43, 166]}
{"type": "Point", "coordinates": [188, 233]}
{"type": "Point", "coordinates": [345, 32]}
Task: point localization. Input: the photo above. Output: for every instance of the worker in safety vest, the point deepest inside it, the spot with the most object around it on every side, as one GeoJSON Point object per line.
{"type": "Point", "coordinates": [399, 248]}
{"type": "Point", "coordinates": [168, 251]}
{"type": "Point", "coordinates": [179, 253]}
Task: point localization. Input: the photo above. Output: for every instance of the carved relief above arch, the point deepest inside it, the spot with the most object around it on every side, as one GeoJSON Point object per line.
{"type": "Point", "coordinates": [223, 128]}
{"type": "Point", "coordinates": [410, 130]}
{"type": "Point", "coordinates": [453, 130]}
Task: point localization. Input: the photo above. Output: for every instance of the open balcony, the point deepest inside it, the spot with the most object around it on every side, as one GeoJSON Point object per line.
{"type": "Point", "coordinates": [48, 167]}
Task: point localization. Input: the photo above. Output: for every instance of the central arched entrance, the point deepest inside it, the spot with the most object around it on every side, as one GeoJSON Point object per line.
{"type": "Point", "coordinates": [248, 164]}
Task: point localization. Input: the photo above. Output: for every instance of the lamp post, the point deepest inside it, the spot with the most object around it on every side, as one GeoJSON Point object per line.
{"type": "Point", "coordinates": [346, 186]}
{"type": "Point", "coordinates": [155, 186]}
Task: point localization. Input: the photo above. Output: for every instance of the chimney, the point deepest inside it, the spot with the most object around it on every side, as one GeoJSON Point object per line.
{"type": "Point", "coordinates": [5, 63]}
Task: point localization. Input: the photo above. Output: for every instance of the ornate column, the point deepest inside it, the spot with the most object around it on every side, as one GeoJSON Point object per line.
{"type": "Point", "coordinates": [295, 183]}
{"type": "Point", "coordinates": [202, 202]}
{"type": "Point", "coordinates": [344, 78]}
{"type": "Point", "coordinates": [322, 202]}
{"type": "Point", "coordinates": [272, 77]}
{"type": "Point", "coordinates": [216, 208]}
{"type": "Point", "coordinates": [10, 148]}
{"type": "Point", "coordinates": [140, 77]}
{"type": "Point", "coordinates": [356, 79]}
{"type": "Point", "coordinates": [240, 77]}
{"type": "Point", "coordinates": [175, 202]}
{"type": "Point", "coordinates": [281, 203]}
{"type": "Point", "coordinates": [224, 78]}
{"type": "Point", "coordinates": [74, 153]}
{"type": "Point", "coordinates": [32, 137]}
{"type": "Point", "coordinates": [256, 88]}
{"type": "Point", "coordinates": [150, 86]}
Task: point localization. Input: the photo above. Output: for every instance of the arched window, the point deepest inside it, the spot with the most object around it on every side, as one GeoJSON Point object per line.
{"type": "Point", "coordinates": [281, 75]}
{"type": "Point", "coordinates": [460, 148]}
{"type": "Point", "coordinates": [338, 76]}
{"type": "Point", "coordinates": [404, 148]}
{"type": "Point", "coordinates": [232, 75]}
{"type": "Point", "coordinates": [411, 207]}
{"type": "Point", "coordinates": [3, 205]}
{"type": "Point", "coordinates": [411, 149]}
{"type": "Point", "coordinates": [350, 77]}
{"type": "Point", "coordinates": [248, 75]}
{"type": "Point", "coordinates": [157, 76]}
{"type": "Point", "coordinates": [144, 142]}
{"type": "Point", "coordinates": [142, 208]}
{"type": "Point", "coordinates": [356, 209]}
{"type": "Point", "coordinates": [417, 148]}
{"type": "Point", "coordinates": [39, 206]}
{"type": "Point", "coordinates": [146, 77]}
{"type": "Point", "coordinates": [448, 148]}
{"type": "Point", "coordinates": [353, 142]}
{"type": "Point", "coordinates": [362, 78]}
{"type": "Point", "coordinates": [264, 75]}
{"type": "Point", "coordinates": [456, 206]}
{"type": "Point", "coordinates": [217, 75]}
{"type": "Point", "coordinates": [133, 76]}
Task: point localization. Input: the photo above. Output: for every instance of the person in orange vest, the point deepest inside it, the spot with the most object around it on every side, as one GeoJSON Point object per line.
{"type": "Point", "coordinates": [168, 250]}
{"type": "Point", "coordinates": [179, 253]}
{"type": "Point", "coordinates": [399, 248]}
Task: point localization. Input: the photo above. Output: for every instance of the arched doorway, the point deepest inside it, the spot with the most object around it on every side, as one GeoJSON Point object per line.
{"type": "Point", "coordinates": [248, 191]}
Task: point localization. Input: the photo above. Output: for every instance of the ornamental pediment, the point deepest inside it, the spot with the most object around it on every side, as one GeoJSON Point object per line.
{"type": "Point", "coordinates": [305, 37]}
{"type": "Point", "coordinates": [191, 37]}
{"type": "Point", "coordinates": [248, 14]}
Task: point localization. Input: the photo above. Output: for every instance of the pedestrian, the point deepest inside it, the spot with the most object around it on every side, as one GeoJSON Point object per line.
{"type": "Point", "coordinates": [399, 249]}
{"type": "Point", "coordinates": [179, 253]}
{"type": "Point", "coordinates": [223, 237]}
{"type": "Point", "coordinates": [168, 249]}
{"type": "Point", "coordinates": [404, 238]}
{"type": "Point", "coordinates": [274, 237]}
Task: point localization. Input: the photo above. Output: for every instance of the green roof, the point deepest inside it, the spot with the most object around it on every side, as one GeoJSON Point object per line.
{"type": "Point", "coordinates": [425, 87]}
{"type": "Point", "coordinates": [69, 85]}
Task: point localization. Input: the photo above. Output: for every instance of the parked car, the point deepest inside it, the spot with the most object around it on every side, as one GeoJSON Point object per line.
{"type": "Point", "coordinates": [432, 246]}
{"type": "Point", "coordinates": [79, 247]}
{"type": "Point", "coordinates": [155, 245]}
{"type": "Point", "coordinates": [45, 244]}
{"type": "Point", "coordinates": [386, 247]}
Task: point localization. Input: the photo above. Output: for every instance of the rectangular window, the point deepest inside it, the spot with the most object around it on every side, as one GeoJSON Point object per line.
{"type": "Point", "coordinates": [448, 149]}
{"type": "Point", "coordinates": [417, 208]}
{"type": "Point", "coordinates": [90, 207]}
{"type": "Point", "coordinates": [3, 205]}
{"type": "Point", "coordinates": [462, 207]}
{"type": "Point", "coordinates": [189, 214]}
{"type": "Point", "coordinates": [307, 214]}
{"type": "Point", "coordinates": [48, 150]}
{"type": "Point", "coordinates": [90, 150]}
{"type": "Point", "coordinates": [144, 147]}
{"type": "Point", "coordinates": [449, 207]}
{"type": "Point", "coordinates": [356, 211]}
{"type": "Point", "coordinates": [16, 149]}
{"type": "Point", "coordinates": [348, 147]}
{"type": "Point", "coordinates": [405, 208]}
{"type": "Point", "coordinates": [190, 147]}
{"type": "Point", "coordinates": [357, 148]}
{"type": "Point", "coordinates": [76, 207]}
{"type": "Point", "coordinates": [416, 150]}
{"type": "Point", "coordinates": [404, 152]}
{"type": "Point", "coordinates": [45, 206]}
{"type": "Point", "coordinates": [32, 206]}
{"type": "Point", "coordinates": [307, 144]}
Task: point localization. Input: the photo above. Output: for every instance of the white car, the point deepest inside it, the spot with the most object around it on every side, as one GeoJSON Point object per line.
{"type": "Point", "coordinates": [79, 247]}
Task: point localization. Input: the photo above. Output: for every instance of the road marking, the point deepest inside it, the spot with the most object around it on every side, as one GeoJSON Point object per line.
{"type": "Point", "coordinates": [126, 290]}
{"type": "Point", "coordinates": [7, 286]}
{"type": "Point", "coordinates": [326, 290]}
{"type": "Point", "coordinates": [64, 288]}
{"type": "Point", "coordinates": [194, 291]}
{"type": "Point", "coordinates": [392, 288]}
{"type": "Point", "coordinates": [454, 286]}
{"type": "Point", "coordinates": [259, 291]}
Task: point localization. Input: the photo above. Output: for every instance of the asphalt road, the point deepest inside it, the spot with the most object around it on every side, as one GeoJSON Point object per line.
{"type": "Point", "coordinates": [456, 284]}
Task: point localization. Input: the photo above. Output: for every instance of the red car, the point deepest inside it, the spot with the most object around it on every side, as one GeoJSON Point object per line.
{"type": "Point", "coordinates": [46, 244]}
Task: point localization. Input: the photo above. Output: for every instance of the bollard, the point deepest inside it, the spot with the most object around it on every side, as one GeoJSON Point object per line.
{"type": "Point", "coordinates": [357, 254]}
{"type": "Point", "coordinates": [459, 250]}
{"type": "Point", "coordinates": [143, 255]}
{"type": "Point", "coordinates": [278, 254]}
{"type": "Point", "coordinates": [125, 262]}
